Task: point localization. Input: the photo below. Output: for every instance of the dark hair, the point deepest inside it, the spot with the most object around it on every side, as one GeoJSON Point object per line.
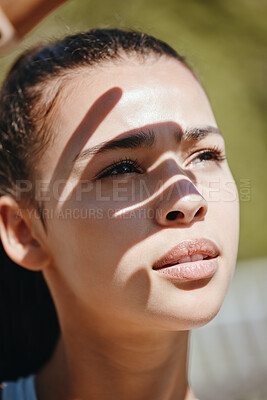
{"type": "Point", "coordinates": [30, 329]}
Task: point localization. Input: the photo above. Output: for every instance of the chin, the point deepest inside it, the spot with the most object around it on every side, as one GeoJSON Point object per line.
{"type": "Point", "coordinates": [203, 319]}
{"type": "Point", "coordinates": [197, 310]}
{"type": "Point", "coordinates": [202, 314]}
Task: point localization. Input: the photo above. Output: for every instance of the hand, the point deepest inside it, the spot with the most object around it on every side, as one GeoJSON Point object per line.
{"type": "Point", "coordinates": [25, 14]}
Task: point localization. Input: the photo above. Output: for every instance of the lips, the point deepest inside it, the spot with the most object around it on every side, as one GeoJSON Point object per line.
{"type": "Point", "coordinates": [189, 260]}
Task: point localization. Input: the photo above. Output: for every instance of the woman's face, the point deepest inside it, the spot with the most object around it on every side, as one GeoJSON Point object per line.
{"type": "Point", "coordinates": [116, 210]}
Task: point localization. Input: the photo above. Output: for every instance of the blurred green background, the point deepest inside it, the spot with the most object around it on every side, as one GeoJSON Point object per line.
{"type": "Point", "coordinates": [225, 41]}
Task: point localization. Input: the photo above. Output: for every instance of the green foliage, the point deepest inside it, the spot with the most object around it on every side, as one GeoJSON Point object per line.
{"type": "Point", "coordinates": [225, 41]}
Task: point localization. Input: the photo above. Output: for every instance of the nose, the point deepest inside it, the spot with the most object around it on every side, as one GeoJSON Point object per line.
{"type": "Point", "coordinates": [181, 204]}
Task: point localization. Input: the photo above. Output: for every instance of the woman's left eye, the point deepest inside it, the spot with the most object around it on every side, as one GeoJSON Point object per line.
{"type": "Point", "coordinates": [208, 155]}
{"type": "Point", "coordinates": [121, 167]}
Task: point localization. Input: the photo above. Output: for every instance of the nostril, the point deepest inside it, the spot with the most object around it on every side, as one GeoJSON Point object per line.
{"type": "Point", "coordinates": [174, 215]}
{"type": "Point", "coordinates": [200, 212]}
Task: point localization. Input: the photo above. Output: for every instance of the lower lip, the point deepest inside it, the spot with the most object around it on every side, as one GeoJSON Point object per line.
{"type": "Point", "coordinates": [190, 271]}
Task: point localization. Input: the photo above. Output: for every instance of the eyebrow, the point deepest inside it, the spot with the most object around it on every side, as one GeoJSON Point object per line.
{"type": "Point", "coordinates": [145, 138]}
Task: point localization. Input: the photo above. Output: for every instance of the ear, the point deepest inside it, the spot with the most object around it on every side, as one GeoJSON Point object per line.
{"type": "Point", "coordinates": [20, 244]}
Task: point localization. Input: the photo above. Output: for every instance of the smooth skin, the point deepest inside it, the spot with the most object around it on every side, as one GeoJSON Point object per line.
{"type": "Point", "coordinates": [124, 328]}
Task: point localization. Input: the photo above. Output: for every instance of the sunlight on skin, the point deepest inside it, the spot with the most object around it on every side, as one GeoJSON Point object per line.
{"type": "Point", "coordinates": [101, 276]}
{"type": "Point", "coordinates": [158, 193]}
{"type": "Point", "coordinates": [161, 95]}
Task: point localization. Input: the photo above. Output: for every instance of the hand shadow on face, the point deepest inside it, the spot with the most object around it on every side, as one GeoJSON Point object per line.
{"type": "Point", "coordinates": [171, 194]}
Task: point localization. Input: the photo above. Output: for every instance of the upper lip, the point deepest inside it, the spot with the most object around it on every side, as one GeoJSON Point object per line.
{"type": "Point", "coordinates": [186, 248]}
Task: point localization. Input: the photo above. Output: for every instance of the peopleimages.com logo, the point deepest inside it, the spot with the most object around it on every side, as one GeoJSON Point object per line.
{"type": "Point", "coordinates": [94, 213]}
{"type": "Point", "coordinates": [125, 190]}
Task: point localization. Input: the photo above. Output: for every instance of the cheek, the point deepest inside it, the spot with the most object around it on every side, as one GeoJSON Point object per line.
{"type": "Point", "coordinates": [100, 241]}
{"type": "Point", "coordinates": [223, 206]}
{"type": "Point", "coordinates": [220, 192]}
{"type": "Point", "coordinates": [93, 240]}
{"type": "Point", "coordinates": [111, 215]}
{"type": "Point", "coordinates": [97, 263]}
{"type": "Point", "coordinates": [228, 207]}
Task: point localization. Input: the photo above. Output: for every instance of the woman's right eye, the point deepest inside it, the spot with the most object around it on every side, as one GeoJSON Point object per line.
{"type": "Point", "coordinates": [118, 168]}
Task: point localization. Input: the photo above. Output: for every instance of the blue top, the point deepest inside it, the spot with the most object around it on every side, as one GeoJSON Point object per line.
{"type": "Point", "coordinates": [22, 389]}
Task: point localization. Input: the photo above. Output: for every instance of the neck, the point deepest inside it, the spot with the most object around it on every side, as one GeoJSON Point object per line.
{"type": "Point", "coordinates": [116, 364]}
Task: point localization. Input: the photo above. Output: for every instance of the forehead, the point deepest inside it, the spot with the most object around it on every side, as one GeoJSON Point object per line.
{"type": "Point", "coordinates": [147, 93]}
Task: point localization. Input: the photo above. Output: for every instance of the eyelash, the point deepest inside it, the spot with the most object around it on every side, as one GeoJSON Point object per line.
{"type": "Point", "coordinates": [122, 162]}
{"type": "Point", "coordinates": [218, 154]}
{"type": "Point", "coordinates": [107, 172]}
